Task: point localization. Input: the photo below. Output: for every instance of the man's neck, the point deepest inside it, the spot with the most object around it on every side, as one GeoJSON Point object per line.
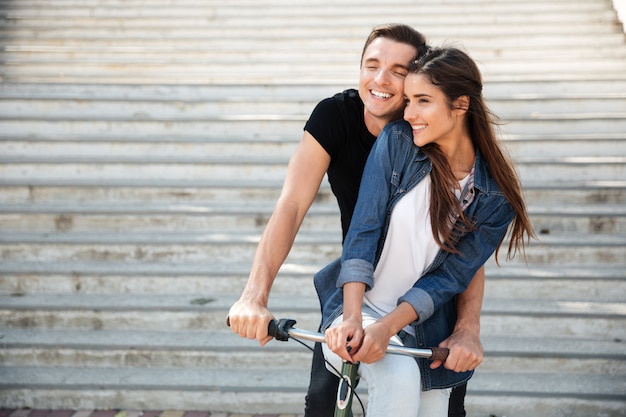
{"type": "Point", "coordinates": [375, 124]}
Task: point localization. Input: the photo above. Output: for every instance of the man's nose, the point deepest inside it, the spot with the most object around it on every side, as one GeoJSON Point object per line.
{"type": "Point", "coordinates": [382, 77]}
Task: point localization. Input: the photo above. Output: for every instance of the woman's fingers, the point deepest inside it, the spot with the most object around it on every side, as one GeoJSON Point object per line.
{"type": "Point", "coordinates": [343, 341]}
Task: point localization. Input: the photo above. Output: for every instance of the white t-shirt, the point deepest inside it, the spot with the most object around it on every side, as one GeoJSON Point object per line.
{"type": "Point", "coordinates": [408, 250]}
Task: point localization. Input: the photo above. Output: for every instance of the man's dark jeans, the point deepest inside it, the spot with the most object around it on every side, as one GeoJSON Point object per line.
{"type": "Point", "coordinates": [320, 400]}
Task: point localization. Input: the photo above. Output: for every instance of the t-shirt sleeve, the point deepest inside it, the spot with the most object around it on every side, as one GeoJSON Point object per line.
{"type": "Point", "coordinates": [327, 126]}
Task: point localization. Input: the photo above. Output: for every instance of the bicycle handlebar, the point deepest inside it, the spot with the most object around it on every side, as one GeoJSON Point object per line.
{"type": "Point", "coordinates": [283, 329]}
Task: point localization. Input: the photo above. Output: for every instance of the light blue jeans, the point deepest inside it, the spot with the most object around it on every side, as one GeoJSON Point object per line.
{"type": "Point", "coordinates": [393, 384]}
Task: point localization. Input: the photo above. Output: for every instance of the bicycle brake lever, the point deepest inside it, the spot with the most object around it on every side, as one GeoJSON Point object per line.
{"type": "Point", "coordinates": [280, 330]}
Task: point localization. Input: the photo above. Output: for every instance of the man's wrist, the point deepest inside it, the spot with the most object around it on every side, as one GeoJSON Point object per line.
{"type": "Point", "coordinates": [467, 327]}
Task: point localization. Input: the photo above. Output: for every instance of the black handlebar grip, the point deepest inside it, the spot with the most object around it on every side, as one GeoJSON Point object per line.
{"type": "Point", "coordinates": [272, 328]}
{"type": "Point", "coordinates": [280, 330]}
{"type": "Point", "coordinates": [439, 354]}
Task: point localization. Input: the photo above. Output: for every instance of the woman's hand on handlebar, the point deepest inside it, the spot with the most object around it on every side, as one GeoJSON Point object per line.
{"type": "Point", "coordinates": [250, 320]}
{"type": "Point", "coordinates": [375, 342]}
{"type": "Point", "coordinates": [345, 338]}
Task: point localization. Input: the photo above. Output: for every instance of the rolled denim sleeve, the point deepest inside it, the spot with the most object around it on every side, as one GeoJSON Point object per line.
{"type": "Point", "coordinates": [421, 301]}
{"type": "Point", "coordinates": [356, 270]}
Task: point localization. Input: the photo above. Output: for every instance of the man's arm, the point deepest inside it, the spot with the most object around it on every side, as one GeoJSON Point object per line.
{"type": "Point", "coordinates": [249, 316]}
{"type": "Point", "coordinates": [466, 350]}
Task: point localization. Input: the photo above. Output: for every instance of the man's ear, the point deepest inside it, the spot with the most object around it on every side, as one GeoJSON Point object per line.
{"type": "Point", "coordinates": [462, 103]}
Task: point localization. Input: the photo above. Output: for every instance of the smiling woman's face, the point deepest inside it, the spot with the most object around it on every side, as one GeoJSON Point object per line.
{"type": "Point", "coordinates": [429, 112]}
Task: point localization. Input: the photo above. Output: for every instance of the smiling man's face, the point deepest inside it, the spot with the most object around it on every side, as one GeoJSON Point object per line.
{"type": "Point", "coordinates": [381, 82]}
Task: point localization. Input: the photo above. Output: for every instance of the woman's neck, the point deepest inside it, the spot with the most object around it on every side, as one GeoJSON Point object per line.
{"type": "Point", "coordinates": [461, 157]}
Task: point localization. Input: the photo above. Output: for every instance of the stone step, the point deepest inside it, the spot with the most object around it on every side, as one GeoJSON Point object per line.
{"type": "Point", "coordinates": [118, 6]}
{"type": "Point", "coordinates": [134, 191]}
{"type": "Point", "coordinates": [194, 218]}
{"type": "Point", "coordinates": [269, 10]}
{"type": "Point", "coordinates": [509, 90]}
{"type": "Point", "coordinates": [237, 70]}
{"type": "Point", "coordinates": [112, 149]}
{"type": "Point", "coordinates": [151, 278]}
{"type": "Point", "coordinates": [325, 27]}
{"type": "Point", "coordinates": [224, 215]}
{"type": "Point", "coordinates": [311, 247]}
{"type": "Point", "coordinates": [221, 389]}
{"type": "Point", "coordinates": [291, 75]}
{"type": "Point", "coordinates": [271, 125]}
{"type": "Point", "coordinates": [480, 41]}
{"type": "Point", "coordinates": [548, 406]}
{"type": "Point", "coordinates": [519, 146]}
{"type": "Point", "coordinates": [570, 282]}
{"type": "Point", "coordinates": [154, 32]}
{"type": "Point", "coordinates": [210, 167]}
{"type": "Point", "coordinates": [253, 13]}
{"type": "Point", "coordinates": [160, 55]}
{"type": "Point", "coordinates": [192, 109]}
{"type": "Point", "coordinates": [104, 31]}
{"type": "Point", "coordinates": [312, 14]}
{"type": "Point", "coordinates": [502, 317]}
{"type": "Point", "coordinates": [522, 146]}
{"type": "Point", "coordinates": [223, 349]}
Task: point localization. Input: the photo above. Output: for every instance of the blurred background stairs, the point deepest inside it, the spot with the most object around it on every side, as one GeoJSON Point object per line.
{"type": "Point", "coordinates": [143, 144]}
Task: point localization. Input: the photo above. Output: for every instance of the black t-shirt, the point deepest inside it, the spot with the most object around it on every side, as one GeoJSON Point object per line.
{"type": "Point", "coordinates": [338, 124]}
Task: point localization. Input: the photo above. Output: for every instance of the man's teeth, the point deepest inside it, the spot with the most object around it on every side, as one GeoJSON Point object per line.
{"type": "Point", "coordinates": [380, 94]}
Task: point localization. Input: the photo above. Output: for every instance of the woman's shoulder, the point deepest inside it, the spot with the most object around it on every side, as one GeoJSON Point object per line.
{"type": "Point", "coordinates": [398, 126]}
{"type": "Point", "coordinates": [399, 131]}
{"type": "Point", "coordinates": [396, 141]}
{"type": "Point", "coordinates": [483, 180]}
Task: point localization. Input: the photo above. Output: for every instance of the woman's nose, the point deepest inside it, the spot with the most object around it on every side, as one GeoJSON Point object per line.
{"type": "Point", "coordinates": [409, 113]}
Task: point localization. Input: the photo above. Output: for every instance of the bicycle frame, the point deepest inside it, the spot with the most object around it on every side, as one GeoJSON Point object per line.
{"type": "Point", "coordinates": [283, 330]}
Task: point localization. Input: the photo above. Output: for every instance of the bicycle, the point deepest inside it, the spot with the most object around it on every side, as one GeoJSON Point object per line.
{"type": "Point", "coordinates": [283, 330]}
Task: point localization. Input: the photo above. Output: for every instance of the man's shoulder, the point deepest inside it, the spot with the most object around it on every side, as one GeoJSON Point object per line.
{"type": "Point", "coordinates": [341, 100]}
{"type": "Point", "coordinates": [348, 96]}
{"type": "Point", "coordinates": [344, 108]}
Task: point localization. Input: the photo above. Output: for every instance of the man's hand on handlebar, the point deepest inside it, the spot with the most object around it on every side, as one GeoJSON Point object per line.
{"type": "Point", "coordinates": [250, 320]}
{"type": "Point", "coordinates": [466, 352]}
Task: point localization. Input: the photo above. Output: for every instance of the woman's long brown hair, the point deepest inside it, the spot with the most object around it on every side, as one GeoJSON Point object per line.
{"type": "Point", "coordinates": [455, 74]}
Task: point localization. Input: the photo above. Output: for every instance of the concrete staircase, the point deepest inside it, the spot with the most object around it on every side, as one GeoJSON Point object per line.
{"type": "Point", "coordinates": [143, 144]}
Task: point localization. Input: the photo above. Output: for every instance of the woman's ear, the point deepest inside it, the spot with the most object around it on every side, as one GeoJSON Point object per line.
{"type": "Point", "coordinates": [462, 103]}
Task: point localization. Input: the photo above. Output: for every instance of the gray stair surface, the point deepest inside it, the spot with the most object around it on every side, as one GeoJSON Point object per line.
{"type": "Point", "coordinates": [143, 144]}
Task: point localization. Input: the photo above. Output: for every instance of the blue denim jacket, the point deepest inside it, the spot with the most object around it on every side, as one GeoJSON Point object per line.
{"type": "Point", "coordinates": [394, 166]}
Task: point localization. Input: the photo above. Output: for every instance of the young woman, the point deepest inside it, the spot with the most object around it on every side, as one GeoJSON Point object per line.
{"type": "Point", "coordinates": [436, 200]}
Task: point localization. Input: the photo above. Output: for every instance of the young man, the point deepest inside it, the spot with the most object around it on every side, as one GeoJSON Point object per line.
{"type": "Point", "coordinates": [337, 140]}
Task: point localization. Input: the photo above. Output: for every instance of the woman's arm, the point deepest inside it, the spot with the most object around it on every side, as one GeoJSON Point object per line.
{"type": "Point", "coordinates": [345, 338]}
